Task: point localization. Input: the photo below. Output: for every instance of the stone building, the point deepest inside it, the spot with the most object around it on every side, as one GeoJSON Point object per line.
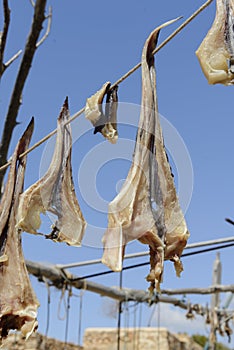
{"type": "Point", "coordinates": [106, 339]}
{"type": "Point", "coordinates": [137, 339]}
{"type": "Point", "coordinates": [36, 342]}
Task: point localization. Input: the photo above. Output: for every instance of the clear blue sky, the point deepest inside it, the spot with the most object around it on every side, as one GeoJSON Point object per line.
{"type": "Point", "coordinates": [94, 42]}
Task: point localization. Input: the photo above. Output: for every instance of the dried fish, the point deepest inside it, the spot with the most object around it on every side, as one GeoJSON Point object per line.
{"type": "Point", "coordinates": [18, 303]}
{"type": "Point", "coordinates": [189, 313]}
{"type": "Point", "coordinates": [228, 330]}
{"type": "Point", "coordinates": [147, 206]}
{"type": "Point", "coordinates": [93, 107]}
{"type": "Point", "coordinates": [216, 52]}
{"type": "Point", "coordinates": [105, 123]}
{"type": "Point", "coordinates": [55, 192]}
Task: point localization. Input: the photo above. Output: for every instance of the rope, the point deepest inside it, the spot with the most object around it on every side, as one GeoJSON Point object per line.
{"type": "Point", "coordinates": [62, 299]}
{"type": "Point", "coordinates": [119, 311]}
{"type": "Point", "coordinates": [126, 323]}
{"type": "Point", "coordinates": [80, 318]}
{"type": "Point", "coordinates": [69, 294]}
{"type": "Point", "coordinates": [80, 296]}
{"type": "Point", "coordinates": [120, 80]}
{"type": "Point", "coordinates": [48, 307]}
{"type": "Point", "coordinates": [134, 326]}
{"type": "Point", "coordinates": [139, 327]}
{"type": "Point", "coordinates": [158, 337]}
{"type": "Point", "coordinates": [151, 315]}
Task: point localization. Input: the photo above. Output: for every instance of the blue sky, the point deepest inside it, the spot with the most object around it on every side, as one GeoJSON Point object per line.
{"type": "Point", "coordinates": [94, 42]}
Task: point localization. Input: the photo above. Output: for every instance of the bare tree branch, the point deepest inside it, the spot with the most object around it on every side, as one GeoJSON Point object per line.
{"type": "Point", "coordinates": [3, 40]}
{"type": "Point", "coordinates": [49, 17]}
{"type": "Point", "coordinates": [209, 290]}
{"type": "Point", "coordinates": [12, 59]}
{"type": "Point", "coordinates": [30, 49]}
{"type": "Point", "coordinates": [3, 37]}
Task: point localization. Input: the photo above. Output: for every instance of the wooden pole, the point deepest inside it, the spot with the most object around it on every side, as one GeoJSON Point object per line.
{"type": "Point", "coordinates": [215, 301]}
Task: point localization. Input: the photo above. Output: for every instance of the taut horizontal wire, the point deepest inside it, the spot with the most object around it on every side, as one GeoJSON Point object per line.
{"type": "Point", "coordinates": [125, 76]}
{"type": "Point", "coordinates": [129, 267]}
{"type": "Point", "coordinates": [141, 254]}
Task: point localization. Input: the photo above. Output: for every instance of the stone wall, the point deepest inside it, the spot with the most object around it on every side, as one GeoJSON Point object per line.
{"type": "Point", "coordinates": [132, 339]}
{"type": "Point", "coordinates": [36, 342]}
{"type": "Point", "coordinates": [106, 339]}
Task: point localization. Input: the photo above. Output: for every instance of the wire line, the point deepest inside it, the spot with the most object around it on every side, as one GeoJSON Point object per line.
{"type": "Point", "coordinates": [147, 263]}
{"type": "Point", "coordinates": [146, 253]}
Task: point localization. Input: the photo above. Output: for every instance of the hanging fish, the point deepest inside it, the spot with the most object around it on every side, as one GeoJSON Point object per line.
{"type": "Point", "coordinates": [18, 303]}
{"type": "Point", "coordinates": [93, 107]}
{"type": "Point", "coordinates": [228, 330]}
{"type": "Point", "coordinates": [105, 123]}
{"type": "Point", "coordinates": [147, 207]}
{"type": "Point", "coordinates": [208, 315]}
{"type": "Point", "coordinates": [216, 52]}
{"type": "Point", "coordinates": [55, 192]}
{"type": "Point", "coordinates": [189, 313]}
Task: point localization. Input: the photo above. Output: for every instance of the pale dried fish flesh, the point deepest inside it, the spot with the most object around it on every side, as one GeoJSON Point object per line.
{"type": "Point", "coordinates": [55, 192]}
{"type": "Point", "coordinates": [105, 123]}
{"type": "Point", "coordinates": [216, 52]}
{"type": "Point", "coordinates": [93, 107]}
{"type": "Point", "coordinates": [18, 303]}
{"type": "Point", "coordinates": [147, 206]}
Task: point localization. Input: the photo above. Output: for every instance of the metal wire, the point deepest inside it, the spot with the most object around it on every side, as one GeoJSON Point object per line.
{"type": "Point", "coordinates": [146, 253]}
{"type": "Point", "coordinates": [147, 263]}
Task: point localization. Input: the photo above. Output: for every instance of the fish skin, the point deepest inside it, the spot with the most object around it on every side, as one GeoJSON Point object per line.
{"type": "Point", "coordinates": [105, 123]}
{"type": "Point", "coordinates": [147, 207]}
{"type": "Point", "coordinates": [55, 193]}
{"type": "Point", "coordinates": [217, 48]}
{"type": "Point", "coordinates": [18, 303]}
{"type": "Point", "coordinates": [93, 107]}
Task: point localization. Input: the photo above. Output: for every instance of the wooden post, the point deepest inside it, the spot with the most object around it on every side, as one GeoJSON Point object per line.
{"type": "Point", "coordinates": [215, 301]}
